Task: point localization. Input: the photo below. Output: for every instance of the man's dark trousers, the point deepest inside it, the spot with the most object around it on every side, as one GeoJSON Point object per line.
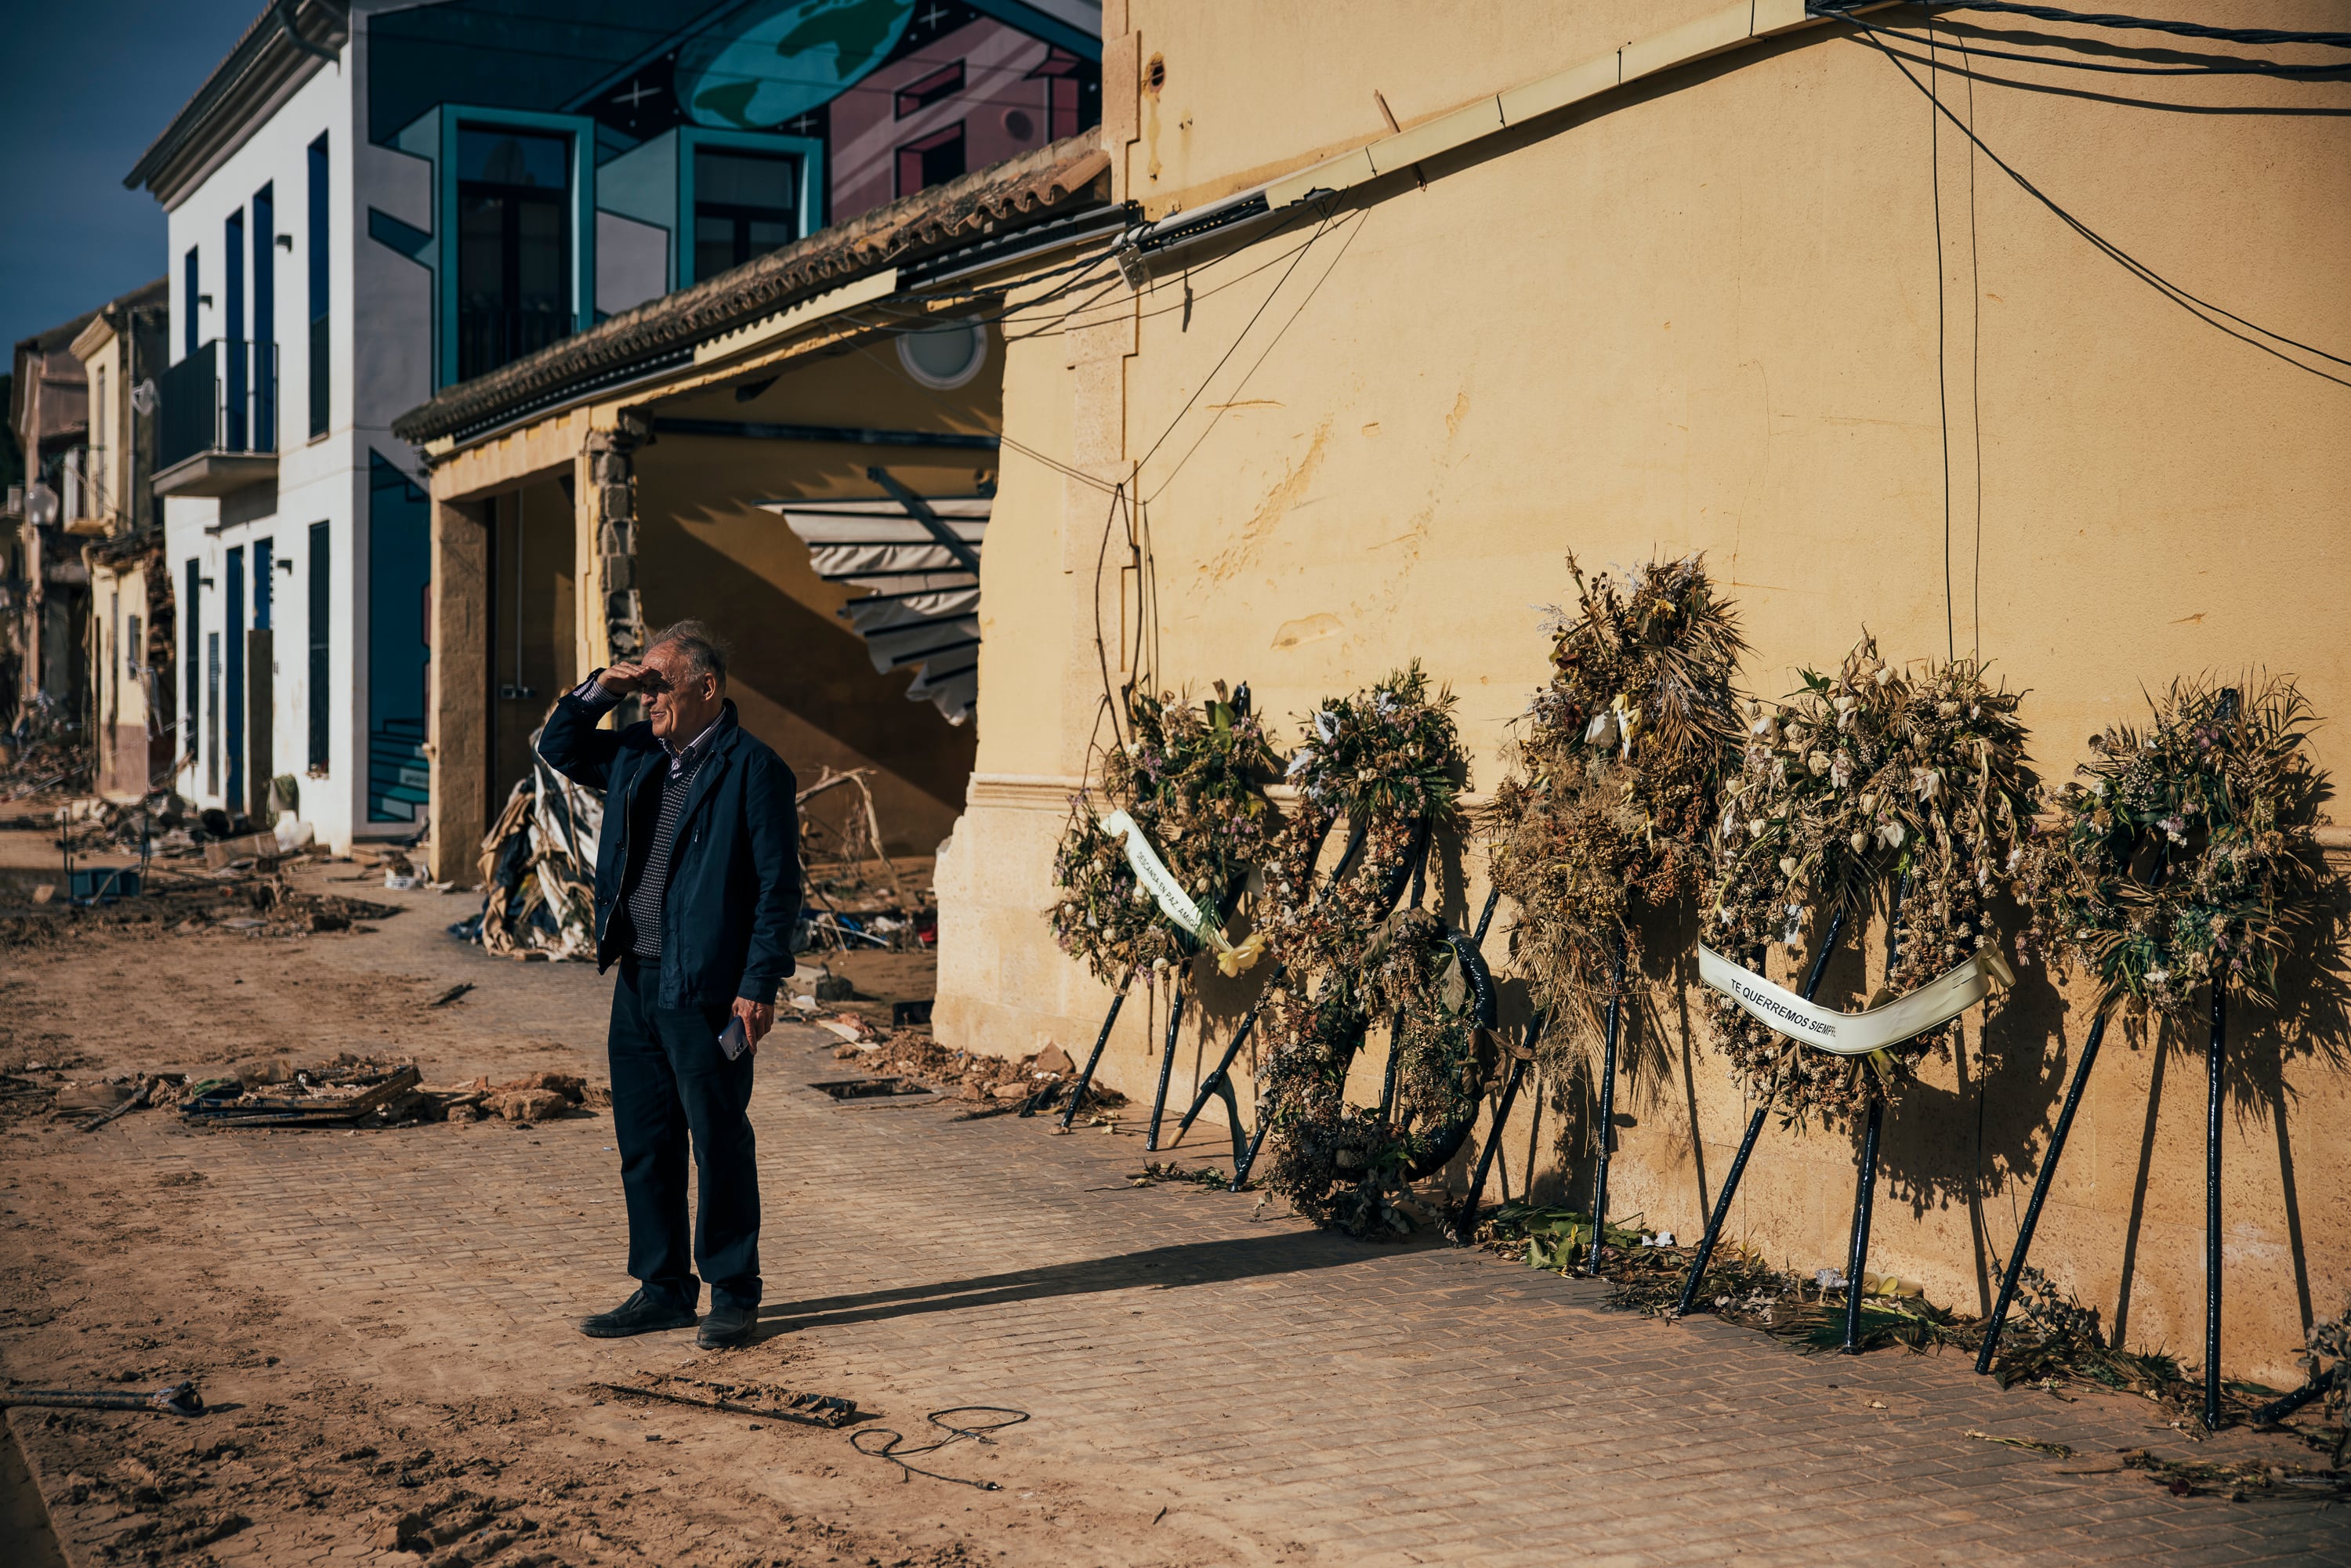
{"type": "Point", "coordinates": [670, 1080]}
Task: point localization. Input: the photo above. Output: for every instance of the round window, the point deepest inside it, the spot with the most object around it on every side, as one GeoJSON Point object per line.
{"type": "Point", "coordinates": [944, 356]}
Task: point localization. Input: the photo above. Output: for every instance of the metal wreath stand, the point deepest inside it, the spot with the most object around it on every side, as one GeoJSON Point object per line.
{"type": "Point", "coordinates": [1189, 948]}
{"type": "Point", "coordinates": [1468, 951]}
{"type": "Point", "coordinates": [2214, 1050]}
{"type": "Point", "coordinates": [1866, 1182]}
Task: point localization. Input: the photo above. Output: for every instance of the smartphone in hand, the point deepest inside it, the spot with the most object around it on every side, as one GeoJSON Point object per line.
{"type": "Point", "coordinates": [733, 1040]}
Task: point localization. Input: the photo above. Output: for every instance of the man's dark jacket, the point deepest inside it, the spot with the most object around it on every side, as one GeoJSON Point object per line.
{"type": "Point", "coordinates": [733, 869]}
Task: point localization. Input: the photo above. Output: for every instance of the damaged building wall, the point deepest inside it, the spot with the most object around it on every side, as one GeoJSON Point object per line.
{"type": "Point", "coordinates": [672, 524]}
{"type": "Point", "coordinates": [802, 678]}
{"type": "Point", "coordinates": [1700, 314]}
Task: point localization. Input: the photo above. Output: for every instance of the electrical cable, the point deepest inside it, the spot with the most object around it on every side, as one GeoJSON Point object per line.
{"type": "Point", "coordinates": [1083, 264]}
{"type": "Point", "coordinates": [2266, 111]}
{"type": "Point", "coordinates": [1354, 229]}
{"type": "Point", "coordinates": [2233, 67]}
{"type": "Point", "coordinates": [1975, 384]}
{"type": "Point", "coordinates": [1942, 340]}
{"type": "Point", "coordinates": [894, 1451]}
{"type": "Point", "coordinates": [1066, 321]}
{"type": "Point", "coordinates": [1197, 295]}
{"type": "Point", "coordinates": [2195, 305]}
{"type": "Point", "coordinates": [1242, 337]}
{"type": "Point", "coordinates": [2121, 23]}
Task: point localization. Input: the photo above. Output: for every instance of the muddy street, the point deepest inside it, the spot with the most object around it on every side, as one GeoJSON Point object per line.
{"type": "Point", "coordinates": [380, 1322]}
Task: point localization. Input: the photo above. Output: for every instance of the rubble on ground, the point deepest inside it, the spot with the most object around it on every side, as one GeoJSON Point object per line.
{"type": "Point", "coordinates": [236, 903]}
{"type": "Point", "coordinates": [991, 1084]}
{"type": "Point", "coordinates": [877, 904]}
{"type": "Point", "coordinates": [352, 1091]}
{"type": "Point", "coordinates": [2051, 1342]}
{"type": "Point", "coordinates": [40, 759]}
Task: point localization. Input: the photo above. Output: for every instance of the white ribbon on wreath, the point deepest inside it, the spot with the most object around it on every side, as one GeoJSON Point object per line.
{"type": "Point", "coordinates": [1784, 1012]}
{"type": "Point", "coordinates": [1176, 903]}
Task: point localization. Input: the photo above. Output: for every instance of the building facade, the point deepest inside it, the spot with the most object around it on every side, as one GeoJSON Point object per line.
{"type": "Point", "coordinates": [133, 700]}
{"type": "Point", "coordinates": [47, 586]}
{"type": "Point", "coordinates": [802, 453]}
{"type": "Point", "coordinates": [371, 203]}
{"type": "Point", "coordinates": [1403, 331]}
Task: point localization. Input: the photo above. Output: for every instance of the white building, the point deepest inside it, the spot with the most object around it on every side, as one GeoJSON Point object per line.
{"type": "Point", "coordinates": [369, 202]}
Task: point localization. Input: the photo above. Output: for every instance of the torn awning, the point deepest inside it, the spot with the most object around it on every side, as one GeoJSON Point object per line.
{"type": "Point", "coordinates": [923, 607]}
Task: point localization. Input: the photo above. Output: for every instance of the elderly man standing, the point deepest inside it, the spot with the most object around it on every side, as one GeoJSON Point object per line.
{"type": "Point", "coordinates": [697, 889]}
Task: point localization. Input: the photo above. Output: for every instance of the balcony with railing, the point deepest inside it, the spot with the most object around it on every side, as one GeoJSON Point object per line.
{"type": "Point", "coordinates": [217, 428]}
{"type": "Point", "coordinates": [490, 335]}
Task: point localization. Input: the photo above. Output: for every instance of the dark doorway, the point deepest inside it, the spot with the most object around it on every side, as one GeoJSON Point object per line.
{"type": "Point", "coordinates": [533, 624]}
{"type": "Point", "coordinates": [514, 245]}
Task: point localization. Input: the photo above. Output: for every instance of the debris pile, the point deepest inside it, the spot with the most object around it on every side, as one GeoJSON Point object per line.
{"type": "Point", "coordinates": [238, 904]}
{"type": "Point", "coordinates": [539, 870]}
{"type": "Point", "coordinates": [740, 1398]}
{"type": "Point", "coordinates": [857, 896]}
{"type": "Point", "coordinates": [994, 1085]}
{"type": "Point", "coordinates": [40, 756]}
{"type": "Point", "coordinates": [354, 1093]}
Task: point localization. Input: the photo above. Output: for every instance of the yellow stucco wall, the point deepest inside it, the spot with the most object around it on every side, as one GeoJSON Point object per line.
{"type": "Point", "coordinates": [1701, 314]}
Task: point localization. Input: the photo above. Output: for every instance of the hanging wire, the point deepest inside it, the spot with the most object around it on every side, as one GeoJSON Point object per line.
{"type": "Point", "coordinates": [2195, 305]}
{"type": "Point", "coordinates": [1975, 381]}
{"type": "Point", "coordinates": [2214, 68]}
{"type": "Point", "coordinates": [1234, 347]}
{"type": "Point", "coordinates": [1353, 228]}
{"type": "Point", "coordinates": [1942, 343]}
{"type": "Point", "coordinates": [2121, 23]}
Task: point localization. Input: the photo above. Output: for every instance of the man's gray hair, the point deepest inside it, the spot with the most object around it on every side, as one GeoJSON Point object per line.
{"type": "Point", "coordinates": [704, 650]}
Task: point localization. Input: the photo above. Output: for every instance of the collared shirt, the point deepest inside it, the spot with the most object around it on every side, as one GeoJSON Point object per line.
{"type": "Point", "coordinates": [647, 890]}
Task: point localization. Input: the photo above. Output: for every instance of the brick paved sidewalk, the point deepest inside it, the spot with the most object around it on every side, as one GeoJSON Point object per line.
{"type": "Point", "coordinates": [1289, 1392]}
{"type": "Point", "coordinates": [1373, 1404]}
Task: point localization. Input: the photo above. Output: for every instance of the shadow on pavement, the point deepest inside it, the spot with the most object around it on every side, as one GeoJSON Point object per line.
{"type": "Point", "coordinates": [1160, 1268]}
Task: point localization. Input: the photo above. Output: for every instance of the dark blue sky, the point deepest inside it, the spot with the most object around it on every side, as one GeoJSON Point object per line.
{"type": "Point", "coordinates": [90, 83]}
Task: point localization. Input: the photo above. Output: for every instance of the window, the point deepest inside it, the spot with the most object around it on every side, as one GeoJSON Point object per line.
{"type": "Point", "coordinates": [400, 636]}
{"type": "Point", "coordinates": [932, 160]}
{"type": "Point", "coordinates": [233, 579]}
{"type": "Point", "coordinates": [190, 282]}
{"type": "Point", "coordinates": [514, 245]}
{"type": "Point", "coordinates": [99, 428]}
{"type": "Point", "coordinates": [264, 319]}
{"type": "Point", "coordinates": [264, 554]}
{"type": "Point", "coordinates": [945, 82]}
{"type": "Point", "coordinates": [233, 335]}
{"type": "Point", "coordinates": [320, 386]}
{"type": "Point", "coordinates": [191, 613]}
{"type": "Point", "coordinates": [945, 356]}
{"type": "Point", "coordinates": [321, 619]}
{"type": "Point", "coordinates": [213, 724]}
{"type": "Point", "coordinates": [134, 648]}
{"type": "Point", "coordinates": [742, 207]}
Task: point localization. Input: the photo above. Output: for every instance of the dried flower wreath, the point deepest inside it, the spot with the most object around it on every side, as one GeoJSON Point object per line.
{"type": "Point", "coordinates": [1193, 777]}
{"type": "Point", "coordinates": [1868, 786]}
{"type": "Point", "coordinates": [1389, 759]}
{"type": "Point", "coordinates": [2188, 850]}
{"type": "Point", "coordinates": [1616, 770]}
